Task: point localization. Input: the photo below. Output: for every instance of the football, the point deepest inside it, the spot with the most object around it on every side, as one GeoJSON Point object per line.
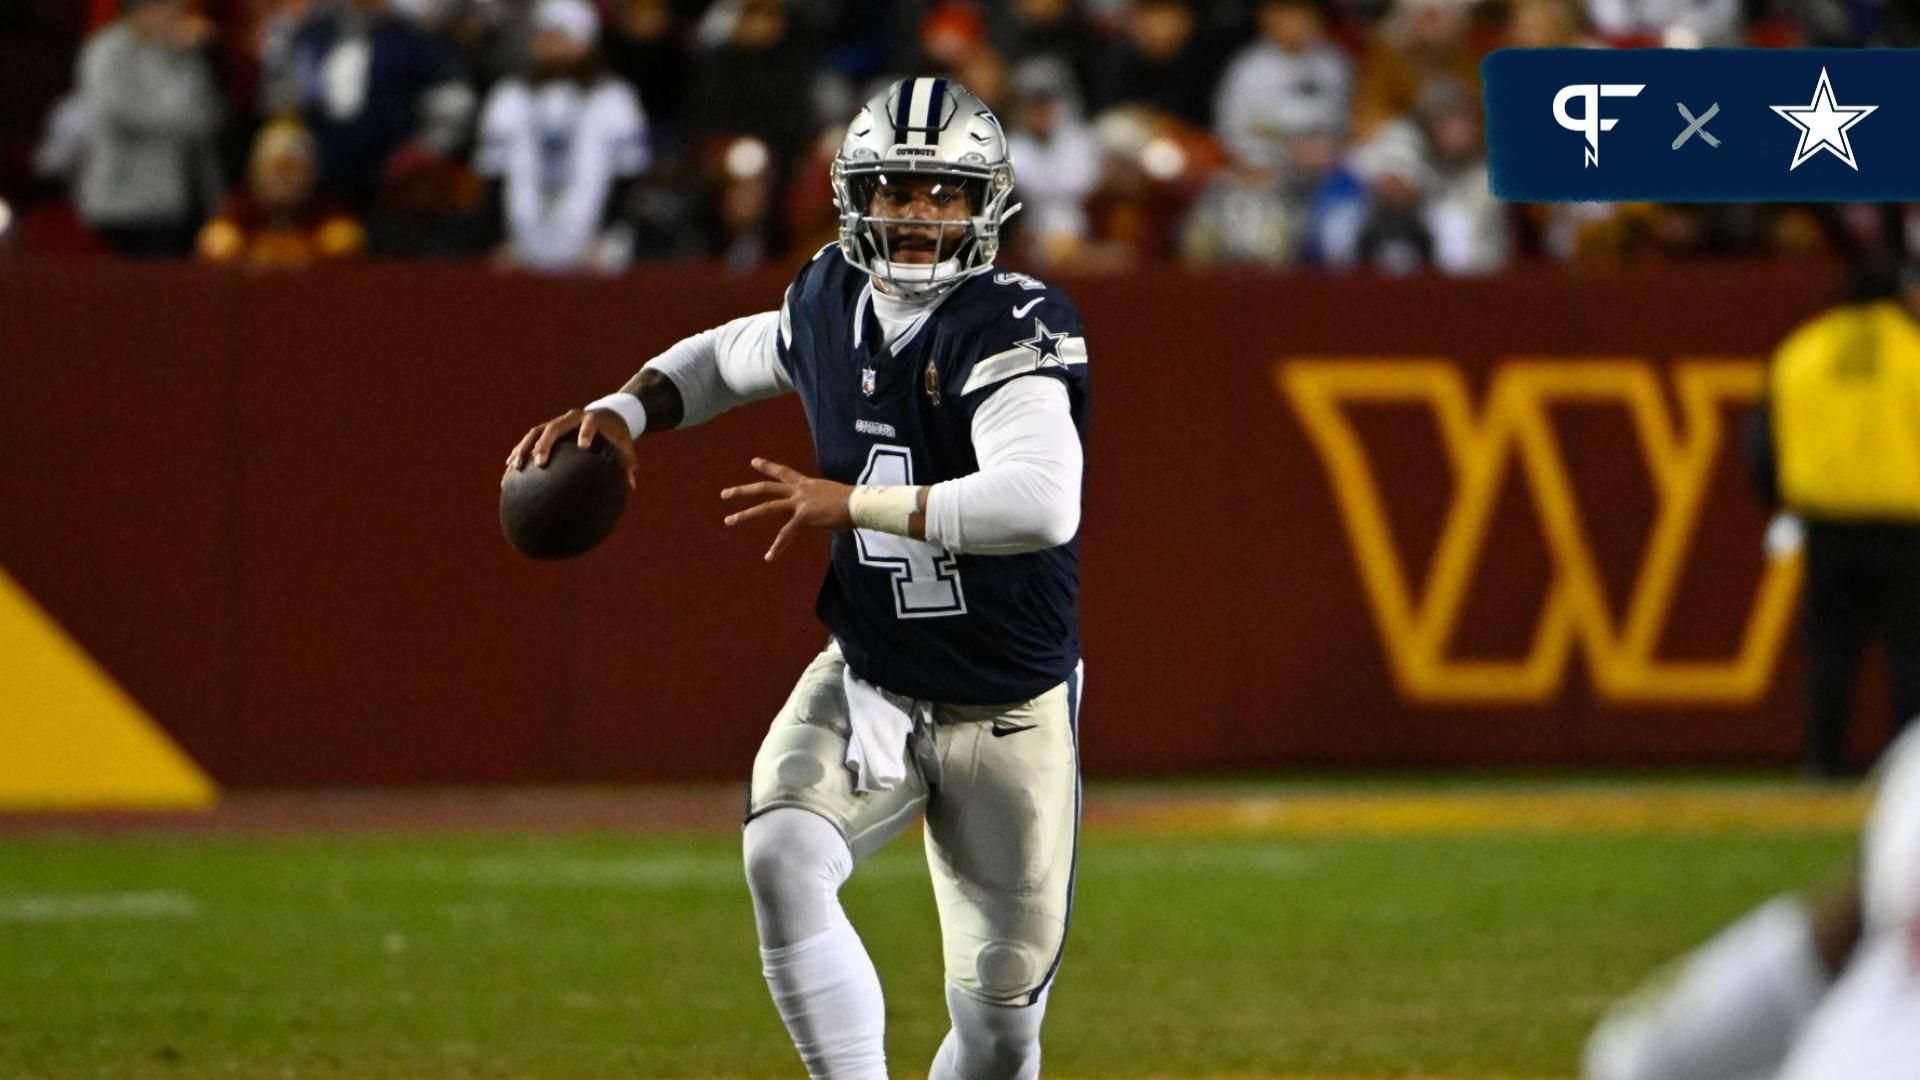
{"type": "Point", "coordinates": [568, 507]}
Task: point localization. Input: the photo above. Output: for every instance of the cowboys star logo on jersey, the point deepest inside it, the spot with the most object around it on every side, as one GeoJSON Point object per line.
{"type": "Point", "coordinates": [1045, 345]}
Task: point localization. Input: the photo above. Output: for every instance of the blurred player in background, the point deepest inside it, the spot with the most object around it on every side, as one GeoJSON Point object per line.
{"type": "Point", "coordinates": [1845, 413]}
{"type": "Point", "coordinates": [948, 405]}
{"type": "Point", "coordinates": [563, 142]}
{"type": "Point", "coordinates": [1828, 991]}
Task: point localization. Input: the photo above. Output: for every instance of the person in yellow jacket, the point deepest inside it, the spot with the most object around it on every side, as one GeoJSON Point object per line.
{"type": "Point", "coordinates": [1845, 418]}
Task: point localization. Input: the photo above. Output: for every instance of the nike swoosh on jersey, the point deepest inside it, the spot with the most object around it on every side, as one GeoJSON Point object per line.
{"type": "Point", "coordinates": [1021, 311]}
{"type": "Point", "coordinates": [1001, 731]}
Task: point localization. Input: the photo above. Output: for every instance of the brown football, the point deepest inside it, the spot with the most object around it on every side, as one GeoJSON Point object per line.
{"type": "Point", "coordinates": [567, 507]}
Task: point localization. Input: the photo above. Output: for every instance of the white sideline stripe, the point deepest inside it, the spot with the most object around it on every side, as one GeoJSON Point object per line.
{"type": "Point", "coordinates": [138, 905]}
{"type": "Point", "coordinates": [1021, 360]}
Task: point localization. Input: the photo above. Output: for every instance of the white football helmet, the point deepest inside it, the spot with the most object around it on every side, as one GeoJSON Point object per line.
{"type": "Point", "coordinates": [926, 127]}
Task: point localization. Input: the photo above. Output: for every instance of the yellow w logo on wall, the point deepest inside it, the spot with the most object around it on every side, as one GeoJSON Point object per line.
{"type": "Point", "coordinates": [1514, 424]}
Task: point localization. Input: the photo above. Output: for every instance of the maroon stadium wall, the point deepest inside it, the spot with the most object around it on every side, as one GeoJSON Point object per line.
{"type": "Point", "coordinates": [1329, 522]}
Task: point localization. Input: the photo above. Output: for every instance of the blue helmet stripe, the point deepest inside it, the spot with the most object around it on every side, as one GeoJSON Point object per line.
{"type": "Point", "coordinates": [901, 120]}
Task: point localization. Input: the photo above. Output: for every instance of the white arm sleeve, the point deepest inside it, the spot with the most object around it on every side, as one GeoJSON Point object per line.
{"type": "Point", "coordinates": [1026, 496]}
{"type": "Point", "coordinates": [729, 365]}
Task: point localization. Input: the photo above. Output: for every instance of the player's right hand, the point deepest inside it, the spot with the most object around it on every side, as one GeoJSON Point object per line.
{"type": "Point", "coordinates": [537, 445]}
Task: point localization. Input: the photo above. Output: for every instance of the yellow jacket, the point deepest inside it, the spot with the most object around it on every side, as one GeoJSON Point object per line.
{"type": "Point", "coordinates": [1846, 415]}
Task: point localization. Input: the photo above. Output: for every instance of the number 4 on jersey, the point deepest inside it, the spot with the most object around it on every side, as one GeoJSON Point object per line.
{"type": "Point", "coordinates": [926, 583]}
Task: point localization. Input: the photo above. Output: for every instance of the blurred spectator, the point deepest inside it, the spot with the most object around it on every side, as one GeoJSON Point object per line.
{"type": "Point", "coordinates": [1680, 24]}
{"type": "Point", "coordinates": [38, 43]}
{"type": "Point", "coordinates": [744, 201]}
{"type": "Point", "coordinates": [432, 207]}
{"type": "Point", "coordinates": [754, 112]}
{"type": "Point", "coordinates": [953, 40]}
{"type": "Point", "coordinates": [1240, 218]}
{"type": "Point", "coordinates": [759, 81]}
{"type": "Point", "coordinates": [1160, 61]}
{"type": "Point", "coordinates": [277, 221]}
{"type": "Point", "coordinates": [1845, 441]}
{"type": "Point", "coordinates": [358, 71]}
{"type": "Point", "coordinates": [1325, 197]}
{"type": "Point", "coordinates": [986, 74]}
{"type": "Point", "coordinates": [1828, 23]}
{"type": "Point", "coordinates": [1395, 238]}
{"type": "Point", "coordinates": [1031, 29]}
{"type": "Point", "coordinates": [493, 39]}
{"type": "Point", "coordinates": [1152, 167]}
{"type": "Point", "coordinates": [1470, 229]}
{"type": "Point", "coordinates": [1289, 81]}
{"type": "Point", "coordinates": [64, 145]}
{"type": "Point", "coordinates": [561, 141]}
{"type": "Point", "coordinates": [1419, 41]}
{"type": "Point", "coordinates": [952, 32]}
{"type": "Point", "coordinates": [53, 227]}
{"type": "Point", "coordinates": [643, 48]}
{"type": "Point", "coordinates": [1056, 161]}
{"type": "Point", "coordinates": [147, 172]}
{"type": "Point", "coordinates": [739, 93]}
{"type": "Point", "coordinates": [1432, 201]}
{"type": "Point", "coordinates": [1547, 24]}
{"type": "Point", "coordinates": [276, 26]}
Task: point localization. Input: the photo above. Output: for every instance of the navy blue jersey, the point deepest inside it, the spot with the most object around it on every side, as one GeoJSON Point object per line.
{"type": "Point", "coordinates": [910, 616]}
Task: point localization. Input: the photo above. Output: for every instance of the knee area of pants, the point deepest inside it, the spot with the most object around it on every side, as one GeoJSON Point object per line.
{"type": "Point", "coordinates": [777, 858]}
{"type": "Point", "coordinates": [770, 866]}
{"type": "Point", "coordinates": [1006, 969]}
{"type": "Point", "coordinates": [997, 1042]}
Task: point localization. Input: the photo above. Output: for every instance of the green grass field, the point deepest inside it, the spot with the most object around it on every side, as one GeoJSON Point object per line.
{"type": "Point", "coordinates": [1234, 944]}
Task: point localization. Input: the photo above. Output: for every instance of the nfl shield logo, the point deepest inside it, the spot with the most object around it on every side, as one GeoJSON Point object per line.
{"type": "Point", "coordinates": [867, 376]}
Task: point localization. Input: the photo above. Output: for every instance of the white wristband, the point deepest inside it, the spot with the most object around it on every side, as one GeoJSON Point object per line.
{"type": "Point", "coordinates": [629, 409]}
{"type": "Point", "coordinates": [884, 509]}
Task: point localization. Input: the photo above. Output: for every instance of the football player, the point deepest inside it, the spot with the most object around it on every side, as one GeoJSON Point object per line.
{"type": "Point", "coordinates": [1827, 991]}
{"type": "Point", "coordinates": [948, 405]}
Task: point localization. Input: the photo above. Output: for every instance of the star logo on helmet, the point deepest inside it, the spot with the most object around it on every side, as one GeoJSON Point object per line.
{"type": "Point", "coordinates": [1045, 345]}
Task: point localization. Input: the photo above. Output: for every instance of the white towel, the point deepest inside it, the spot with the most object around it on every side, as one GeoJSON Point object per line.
{"type": "Point", "coordinates": [877, 742]}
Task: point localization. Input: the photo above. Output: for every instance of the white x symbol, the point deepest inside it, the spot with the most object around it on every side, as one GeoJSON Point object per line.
{"type": "Point", "coordinates": [1697, 126]}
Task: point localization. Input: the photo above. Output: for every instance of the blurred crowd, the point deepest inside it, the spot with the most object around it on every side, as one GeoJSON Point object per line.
{"type": "Point", "coordinates": [589, 134]}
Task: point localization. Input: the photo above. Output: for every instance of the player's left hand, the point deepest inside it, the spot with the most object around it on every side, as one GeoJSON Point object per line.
{"type": "Point", "coordinates": [807, 500]}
